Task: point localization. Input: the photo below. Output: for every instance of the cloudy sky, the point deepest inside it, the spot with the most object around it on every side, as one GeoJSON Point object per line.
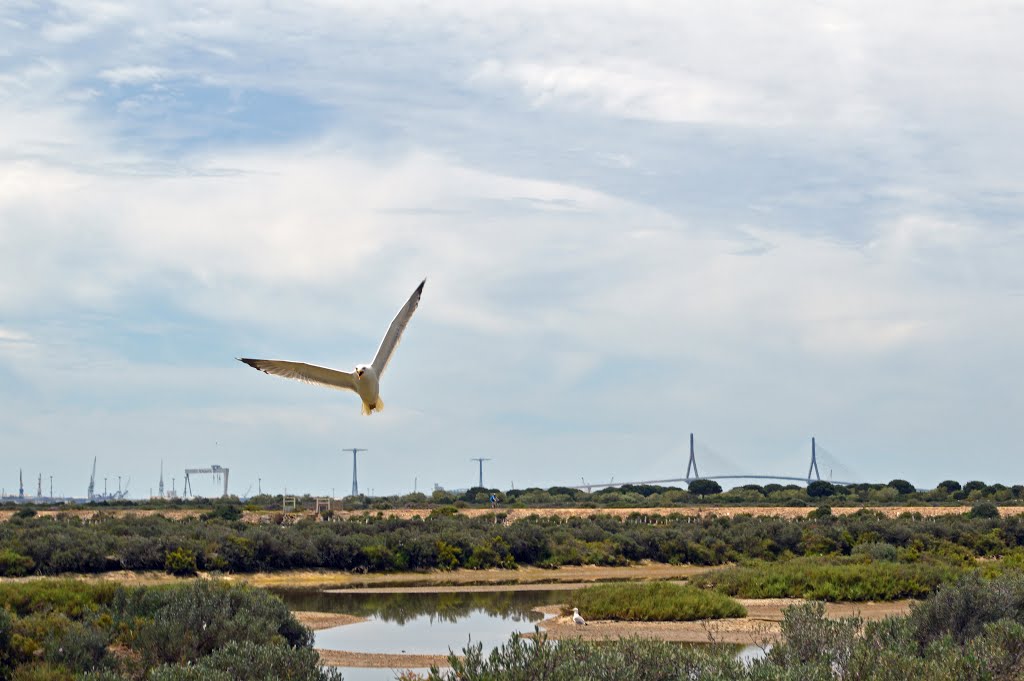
{"type": "Point", "coordinates": [758, 222]}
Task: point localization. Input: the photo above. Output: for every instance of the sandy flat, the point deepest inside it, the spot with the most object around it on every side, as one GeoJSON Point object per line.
{"type": "Point", "coordinates": [761, 625]}
{"type": "Point", "coordinates": [348, 658]}
{"type": "Point", "coordinates": [325, 620]}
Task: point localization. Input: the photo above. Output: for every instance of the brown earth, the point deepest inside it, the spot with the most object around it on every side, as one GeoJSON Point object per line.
{"type": "Point", "coordinates": [760, 626]}
{"type": "Point", "coordinates": [348, 658]}
{"type": "Point", "coordinates": [325, 620]}
{"type": "Point", "coordinates": [513, 514]}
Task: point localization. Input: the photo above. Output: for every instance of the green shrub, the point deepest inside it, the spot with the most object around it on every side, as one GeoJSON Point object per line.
{"type": "Point", "coordinates": [13, 564]}
{"type": "Point", "coordinates": [248, 661]}
{"type": "Point", "coordinates": [961, 610]}
{"type": "Point", "coordinates": [984, 509]}
{"type": "Point", "coordinates": [79, 645]}
{"type": "Point", "coordinates": [224, 511]}
{"type": "Point", "coordinates": [876, 550]}
{"type": "Point", "coordinates": [830, 579]}
{"type": "Point", "coordinates": [575, 660]}
{"type": "Point", "coordinates": [191, 620]}
{"type": "Point", "coordinates": [181, 562]}
{"type": "Point", "coordinates": [7, 650]}
{"type": "Point", "coordinates": [653, 601]}
{"type": "Point", "coordinates": [70, 597]}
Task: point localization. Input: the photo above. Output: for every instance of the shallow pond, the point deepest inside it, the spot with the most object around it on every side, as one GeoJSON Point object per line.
{"type": "Point", "coordinates": [428, 623]}
{"type": "Point", "coordinates": [424, 623]}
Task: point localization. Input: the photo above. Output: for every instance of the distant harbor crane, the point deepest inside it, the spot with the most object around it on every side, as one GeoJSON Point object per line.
{"type": "Point", "coordinates": [214, 470]}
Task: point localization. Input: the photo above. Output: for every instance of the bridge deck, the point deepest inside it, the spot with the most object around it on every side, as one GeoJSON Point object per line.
{"type": "Point", "coordinates": [787, 478]}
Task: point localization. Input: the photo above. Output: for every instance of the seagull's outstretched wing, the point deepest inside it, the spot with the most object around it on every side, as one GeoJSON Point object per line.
{"type": "Point", "coordinates": [308, 373]}
{"type": "Point", "coordinates": [394, 334]}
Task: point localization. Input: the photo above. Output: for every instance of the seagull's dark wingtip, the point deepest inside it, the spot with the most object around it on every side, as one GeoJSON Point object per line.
{"type": "Point", "coordinates": [246, 360]}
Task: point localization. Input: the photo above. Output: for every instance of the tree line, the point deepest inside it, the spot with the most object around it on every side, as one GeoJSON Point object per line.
{"type": "Point", "coordinates": [444, 540]}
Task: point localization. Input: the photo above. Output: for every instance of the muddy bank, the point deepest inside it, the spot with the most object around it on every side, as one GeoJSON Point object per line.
{"type": "Point", "coordinates": [760, 626]}
{"type": "Point", "coordinates": [325, 620]}
{"type": "Point", "coordinates": [348, 658]}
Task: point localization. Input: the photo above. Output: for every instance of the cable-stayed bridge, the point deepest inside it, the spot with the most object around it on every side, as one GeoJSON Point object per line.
{"type": "Point", "coordinates": [813, 474]}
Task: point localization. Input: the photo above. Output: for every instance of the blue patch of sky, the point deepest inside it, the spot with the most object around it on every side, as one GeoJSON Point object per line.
{"type": "Point", "coordinates": [714, 175]}
{"type": "Point", "coordinates": [177, 116]}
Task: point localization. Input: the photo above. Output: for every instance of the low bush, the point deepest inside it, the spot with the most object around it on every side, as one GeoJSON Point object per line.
{"type": "Point", "coordinates": [13, 564]}
{"type": "Point", "coordinates": [962, 610]}
{"type": "Point", "coordinates": [523, 659]}
{"type": "Point", "coordinates": [181, 562]}
{"type": "Point", "coordinates": [653, 601]}
{"type": "Point", "coordinates": [63, 629]}
{"type": "Point", "coordinates": [248, 661]}
{"type": "Point", "coordinates": [831, 579]}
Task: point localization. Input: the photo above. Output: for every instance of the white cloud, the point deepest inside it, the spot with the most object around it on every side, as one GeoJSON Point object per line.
{"type": "Point", "coordinates": [595, 191]}
{"type": "Point", "coordinates": [135, 75]}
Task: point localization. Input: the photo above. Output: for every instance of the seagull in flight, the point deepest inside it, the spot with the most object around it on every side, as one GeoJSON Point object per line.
{"type": "Point", "coordinates": [365, 380]}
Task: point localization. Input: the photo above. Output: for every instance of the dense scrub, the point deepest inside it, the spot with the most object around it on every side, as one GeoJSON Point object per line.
{"type": "Point", "coordinates": [61, 629]}
{"type": "Point", "coordinates": [66, 543]}
{"type": "Point", "coordinates": [817, 578]}
{"type": "Point", "coordinates": [971, 630]}
{"type": "Point", "coordinates": [653, 601]}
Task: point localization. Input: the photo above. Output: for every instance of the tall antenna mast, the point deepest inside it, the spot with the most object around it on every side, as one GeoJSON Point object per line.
{"type": "Point", "coordinates": [355, 471]}
{"type": "Point", "coordinates": [814, 463]}
{"type": "Point", "coordinates": [481, 462]}
{"type": "Point", "coordinates": [161, 487]}
{"type": "Point", "coordinates": [692, 463]}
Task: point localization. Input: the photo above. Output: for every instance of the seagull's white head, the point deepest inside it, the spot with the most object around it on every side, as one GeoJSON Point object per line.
{"type": "Point", "coordinates": [575, 611]}
{"type": "Point", "coordinates": [360, 370]}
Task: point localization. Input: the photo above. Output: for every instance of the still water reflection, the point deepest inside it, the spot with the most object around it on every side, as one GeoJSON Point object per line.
{"type": "Point", "coordinates": [425, 623]}
{"type": "Point", "coordinates": [401, 608]}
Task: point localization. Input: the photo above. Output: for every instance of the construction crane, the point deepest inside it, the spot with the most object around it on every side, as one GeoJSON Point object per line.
{"type": "Point", "coordinates": [122, 493]}
{"type": "Point", "coordinates": [92, 481]}
{"type": "Point", "coordinates": [213, 470]}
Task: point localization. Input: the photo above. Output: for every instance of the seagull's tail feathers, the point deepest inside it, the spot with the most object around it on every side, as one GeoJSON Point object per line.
{"type": "Point", "coordinates": [371, 408]}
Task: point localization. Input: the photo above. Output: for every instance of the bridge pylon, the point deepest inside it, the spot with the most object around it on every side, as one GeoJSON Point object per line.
{"type": "Point", "coordinates": [692, 463]}
{"type": "Point", "coordinates": [814, 463]}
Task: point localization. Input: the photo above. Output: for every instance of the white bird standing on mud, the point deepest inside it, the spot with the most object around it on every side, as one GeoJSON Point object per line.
{"type": "Point", "coordinates": [365, 380]}
{"type": "Point", "coordinates": [576, 617]}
